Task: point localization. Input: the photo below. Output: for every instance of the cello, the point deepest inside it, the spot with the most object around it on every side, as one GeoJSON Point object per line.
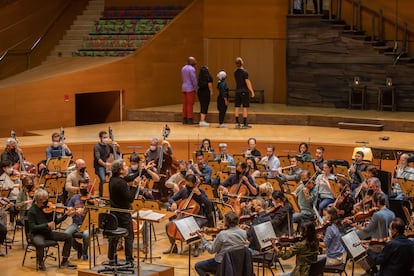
{"type": "Point", "coordinates": [236, 192]}
{"type": "Point", "coordinates": [185, 208]}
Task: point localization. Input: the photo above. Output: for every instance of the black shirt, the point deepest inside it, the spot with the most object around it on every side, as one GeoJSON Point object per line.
{"type": "Point", "coordinates": [38, 220]}
{"type": "Point", "coordinates": [12, 156]}
{"type": "Point", "coordinates": [121, 194]}
{"type": "Point", "coordinates": [241, 75]}
{"type": "Point", "coordinates": [101, 151]}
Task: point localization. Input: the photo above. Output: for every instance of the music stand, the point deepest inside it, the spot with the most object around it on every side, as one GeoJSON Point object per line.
{"type": "Point", "coordinates": [341, 170]}
{"type": "Point", "coordinates": [239, 158]}
{"type": "Point", "coordinates": [357, 252]}
{"type": "Point", "coordinates": [284, 161]}
{"type": "Point", "coordinates": [293, 202]}
{"type": "Point", "coordinates": [215, 167]}
{"type": "Point", "coordinates": [309, 166]}
{"type": "Point", "coordinates": [264, 234]}
{"type": "Point", "coordinates": [383, 154]}
{"type": "Point", "coordinates": [334, 187]}
{"type": "Point", "coordinates": [92, 220]}
{"type": "Point", "coordinates": [59, 164]}
{"type": "Point", "coordinates": [187, 226]}
{"type": "Point", "coordinates": [223, 207]}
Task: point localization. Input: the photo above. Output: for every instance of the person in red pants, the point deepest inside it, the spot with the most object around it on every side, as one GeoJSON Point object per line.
{"type": "Point", "coordinates": [189, 88]}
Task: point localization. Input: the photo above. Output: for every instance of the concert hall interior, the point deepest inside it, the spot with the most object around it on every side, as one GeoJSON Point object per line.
{"type": "Point", "coordinates": [124, 143]}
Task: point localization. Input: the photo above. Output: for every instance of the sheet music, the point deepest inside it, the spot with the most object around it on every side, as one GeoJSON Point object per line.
{"type": "Point", "coordinates": [353, 244]}
{"type": "Point", "coordinates": [150, 215]}
{"type": "Point", "coordinates": [264, 231]}
{"type": "Point", "coordinates": [186, 226]}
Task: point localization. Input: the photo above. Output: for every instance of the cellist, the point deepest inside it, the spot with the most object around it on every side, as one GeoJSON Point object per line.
{"type": "Point", "coordinates": [239, 178]}
{"type": "Point", "coordinates": [177, 202]}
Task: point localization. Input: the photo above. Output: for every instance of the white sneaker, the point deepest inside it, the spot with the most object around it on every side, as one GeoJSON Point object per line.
{"type": "Point", "coordinates": [222, 126]}
{"type": "Point", "coordinates": [203, 124]}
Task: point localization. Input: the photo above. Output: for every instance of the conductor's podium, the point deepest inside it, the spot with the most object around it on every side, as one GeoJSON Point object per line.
{"type": "Point", "coordinates": [145, 270]}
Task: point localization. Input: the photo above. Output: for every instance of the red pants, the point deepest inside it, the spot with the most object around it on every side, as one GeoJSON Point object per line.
{"type": "Point", "coordinates": [188, 102]}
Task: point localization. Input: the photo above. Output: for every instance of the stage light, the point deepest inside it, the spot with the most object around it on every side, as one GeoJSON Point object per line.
{"type": "Point", "coordinates": [367, 152]}
{"type": "Point", "coordinates": [356, 81]}
{"type": "Point", "coordinates": [388, 81]}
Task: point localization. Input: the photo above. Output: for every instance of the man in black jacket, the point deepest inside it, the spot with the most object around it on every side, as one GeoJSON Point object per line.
{"type": "Point", "coordinates": [397, 257]}
{"type": "Point", "coordinates": [42, 224]}
{"type": "Point", "coordinates": [121, 196]}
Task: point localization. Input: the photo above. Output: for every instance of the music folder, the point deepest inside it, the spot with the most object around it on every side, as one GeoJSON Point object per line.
{"type": "Point", "coordinates": [264, 233]}
{"type": "Point", "coordinates": [187, 226]}
{"type": "Point", "coordinates": [354, 247]}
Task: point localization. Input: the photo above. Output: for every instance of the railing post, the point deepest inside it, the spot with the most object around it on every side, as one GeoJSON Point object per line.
{"type": "Point", "coordinates": [338, 12]}
{"type": "Point", "coordinates": [373, 27]}
{"type": "Point", "coordinates": [359, 15]}
{"type": "Point", "coordinates": [380, 26]}
{"type": "Point", "coordinates": [353, 16]}
{"type": "Point", "coordinates": [291, 6]}
{"type": "Point", "coordinates": [405, 39]}
{"type": "Point", "coordinates": [330, 10]}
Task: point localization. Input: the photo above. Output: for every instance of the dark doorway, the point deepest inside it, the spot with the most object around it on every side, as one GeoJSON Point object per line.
{"type": "Point", "coordinates": [98, 107]}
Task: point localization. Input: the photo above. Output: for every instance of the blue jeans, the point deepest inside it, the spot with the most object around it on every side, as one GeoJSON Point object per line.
{"type": "Point", "coordinates": [324, 203]}
{"type": "Point", "coordinates": [209, 265]}
{"type": "Point", "coordinates": [73, 228]}
{"type": "Point", "coordinates": [301, 218]}
{"type": "Point", "coordinates": [101, 173]}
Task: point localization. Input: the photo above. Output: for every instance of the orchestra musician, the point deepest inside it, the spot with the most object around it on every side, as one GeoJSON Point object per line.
{"type": "Point", "coordinates": [281, 214]}
{"type": "Point", "coordinates": [345, 202]}
{"type": "Point", "coordinates": [325, 194]}
{"type": "Point", "coordinates": [335, 251]}
{"type": "Point", "coordinates": [260, 216]}
{"type": "Point", "coordinates": [304, 155]}
{"type": "Point", "coordinates": [206, 147]}
{"type": "Point", "coordinates": [72, 185]}
{"type": "Point", "coordinates": [239, 177]}
{"type": "Point", "coordinates": [56, 149]}
{"type": "Point", "coordinates": [121, 195]}
{"type": "Point", "coordinates": [253, 170]}
{"type": "Point", "coordinates": [374, 188]}
{"type": "Point", "coordinates": [251, 150]}
{"type": "Point", "coordinates": [397, 256]}
{"type": "Point", "coordinates": [78, 202]}
{"type": "Point", "coordinates": [101, 154]}
{"type": "Point", "coordinates": [3, 234]}
{"type": "Point", "coordinates": [319, 159]}
{"type": "Point", "coordinates": [42, 226]}
{"type": "Point", "coordinates": [141, 174]}
{"type": "Point", "coordinates": [6, 172]}
{"type": "Point", "coordinates": [270, 161]}
{"type": "Point", "coordinates": [201, 169]}
{"type": "Point", "coordinates": [306, 195]}
{"type": "Point", "coordinates": [200, 198]}
{"type": "Point", "coordinates": [224, 155]}
{"type": "Point", "coordinates": [11, 153]}
{"type": "Point", "coordinates": [154, 150]}
{"type": "Point", "coordinates": [377, 228]}
{"type": "Point", "coordinates": [306, 251]}
{"type": "Point", "coordinates": [176, 181]}
{"type": "Point", "coordinates": [293, 173]}
{"type": "Point", "coordinates": [356, 169]}
{"type": "Point", "coordinates": [233, 237]}
{"type": "Point", "coordinates": [25, 197]}
{"type": "Point", "coordinates": [402, 170]}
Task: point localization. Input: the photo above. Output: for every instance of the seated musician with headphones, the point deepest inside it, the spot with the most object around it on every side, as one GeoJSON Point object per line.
{"type": "Point", "coordinates": [185, 202]}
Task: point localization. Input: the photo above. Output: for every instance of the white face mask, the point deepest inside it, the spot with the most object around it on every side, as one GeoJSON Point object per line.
{"type": "Point", "coordinates": [153, 148]}
{"type": "Point", "coordinates": [10, 171]}
{"type": "Point", "coordinates": [134, 167]}
{"type": "Point", "coordinates": [105, 140]}
{"type": "Point", "coordinates": [55, 144]}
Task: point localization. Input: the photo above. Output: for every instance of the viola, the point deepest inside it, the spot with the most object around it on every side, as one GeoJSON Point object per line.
{"type": "Point", "coordinates": [210, 230]}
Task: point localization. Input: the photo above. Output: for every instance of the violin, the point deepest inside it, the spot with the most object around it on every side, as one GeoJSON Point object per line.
{"type": "Point", "coordinates": [246, 218]}
{"type": "Point", "coordinates": [363, 215]}
{"type": "Point", "coordinates": [321, 228]}
{"type": "Point", "coordinates": [55, 207]}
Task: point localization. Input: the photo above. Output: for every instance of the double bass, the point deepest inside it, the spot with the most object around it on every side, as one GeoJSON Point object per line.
{"type": "Point", "coordinates": [25, 168]}
{"type": "Point", "coordinates": [164, 162]}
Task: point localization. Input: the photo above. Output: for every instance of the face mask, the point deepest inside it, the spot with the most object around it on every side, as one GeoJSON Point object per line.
{"type": "Point", "coordinates": [55, 144]}
{"type": "Point", "coordinates": [44, 205]}
{"type": "Point", "coordinates": [83, 191]}
{"type": "Point", "coordinates": [183, 173]}
{"type": "Point", "coordinates": [153, 148]}
{"type": "Point", "coordinates": [29, 187]}
{"type": "Point", "coordinates": [10, 171]}
{"type": "Point", "coordinates": [190, 189]}
{"type": "Point", "coordinates": [105, 140]}
{"type": "Point", "coordinates": [82, 170]}
{"type": "Point", "coordinates": [134, 167]}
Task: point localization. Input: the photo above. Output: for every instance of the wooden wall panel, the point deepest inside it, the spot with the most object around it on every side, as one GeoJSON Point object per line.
{"type": "Point", "coordinates": [126, 3]}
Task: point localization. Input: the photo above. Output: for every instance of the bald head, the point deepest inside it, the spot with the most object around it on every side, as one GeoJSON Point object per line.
{"type": "Point", "coordinates": [191, 61]}
{"type": "Point", "coordinates": [80, 165]}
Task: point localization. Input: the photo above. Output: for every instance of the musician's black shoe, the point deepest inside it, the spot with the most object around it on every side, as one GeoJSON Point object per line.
{"type": "Point", "coordinates": [130, 264]}
{"type": "Point", "coordinates": [67, 264]}
{"type": "Point", "coordinates": [41, 267]}
{"type": "Point", "coordinates": [171, 250]}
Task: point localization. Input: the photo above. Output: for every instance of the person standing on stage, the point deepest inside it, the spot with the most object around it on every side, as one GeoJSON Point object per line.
{"type": "Point", "coordinates": [56, 149]}
{"type": "Point", "coordinates": [204, 93]}
{"type": "Point", "coordinates": [101, 154]}
{"type": "Point", "coordinates": [243, 90]}
{"type": "Point", "coordinates": [121, 196]}
{"type": "Point", "coordinates": [189, 88]}
{"type": "Point", "coordinates": [233, 237]}
{"type": "Point", "coordinates": [222, 98]}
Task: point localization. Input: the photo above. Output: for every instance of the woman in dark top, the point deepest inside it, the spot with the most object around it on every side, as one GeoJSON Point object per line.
{"type": "Point", "coordinates": [205, 91]}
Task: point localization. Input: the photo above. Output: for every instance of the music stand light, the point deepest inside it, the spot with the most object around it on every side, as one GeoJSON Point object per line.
{"type": "Point", "coordinates": [367, 153]}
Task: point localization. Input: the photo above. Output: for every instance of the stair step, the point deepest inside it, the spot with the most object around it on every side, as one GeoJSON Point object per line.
{"type": "Point", "coordinates": [358, 37]}
{"type": "Point", "coordinates": [353, 32]}
{"type": "Point", "coordinates": [382, 49]}
{"type": "Point", "coordinates": [359, 126]}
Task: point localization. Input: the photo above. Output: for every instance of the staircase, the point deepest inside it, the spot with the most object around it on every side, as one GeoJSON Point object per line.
{"type": "Point", "coordinates": [80, 28]}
